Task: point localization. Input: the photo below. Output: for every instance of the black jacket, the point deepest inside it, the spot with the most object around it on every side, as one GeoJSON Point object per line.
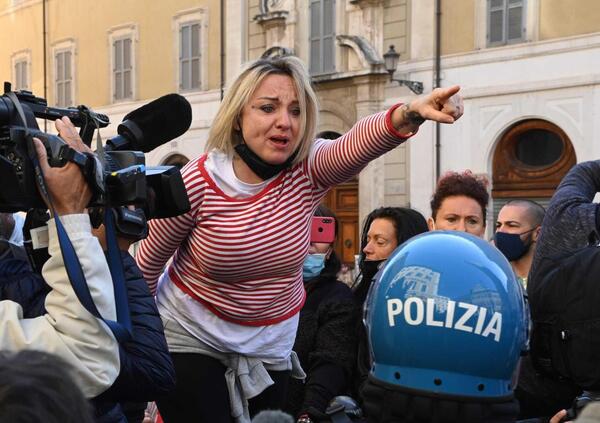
{"type": "Point", "coordinates": [146, 368]}
{"type": "Point", "coordinates": [572, 220]}
{"type": "Point", "coordinates": [325, 344]}
{"type": "Point", "coordinates": [22, 285]}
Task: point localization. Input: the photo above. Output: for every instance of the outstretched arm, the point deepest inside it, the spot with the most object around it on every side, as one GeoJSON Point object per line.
{"type": "Point", "coordinates": [571, 216]}
{"type": "Point", "coordinates": [335, 161]}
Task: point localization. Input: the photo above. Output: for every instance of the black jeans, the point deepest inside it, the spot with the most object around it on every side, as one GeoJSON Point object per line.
{"type": "Point", "coordinates": [201, 393]}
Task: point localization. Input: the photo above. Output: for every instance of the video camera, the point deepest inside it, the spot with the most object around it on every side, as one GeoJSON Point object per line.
{"type": "Point", "coordinates": [118, 175]}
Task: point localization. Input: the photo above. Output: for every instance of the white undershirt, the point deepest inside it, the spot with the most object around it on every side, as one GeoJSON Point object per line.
{"type": "Point", "coordinates": [220, 168]}
{"type": "Point", "coordinates": [269, 343]}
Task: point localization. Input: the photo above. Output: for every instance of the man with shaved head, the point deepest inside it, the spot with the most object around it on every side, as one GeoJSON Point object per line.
{"type": "Point", "coordinates": [517, 230]}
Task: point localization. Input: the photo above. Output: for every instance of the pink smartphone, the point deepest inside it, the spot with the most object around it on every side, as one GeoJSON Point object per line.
{"type": "Point", "coordinates": [322, 229]}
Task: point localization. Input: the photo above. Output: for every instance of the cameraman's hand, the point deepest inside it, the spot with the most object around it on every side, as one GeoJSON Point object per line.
{"type": "Point", "coordinates": [558, 417]}
{"type": "Point", "coordinates": [67, 186]}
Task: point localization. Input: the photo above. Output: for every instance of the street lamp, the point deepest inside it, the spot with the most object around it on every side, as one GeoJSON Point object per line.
{"type": "Point", "coordinates": [391, 64]}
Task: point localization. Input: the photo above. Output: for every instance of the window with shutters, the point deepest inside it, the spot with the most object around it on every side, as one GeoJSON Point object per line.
{"type": "Point", "coordinates": [190, 36]}
{"type": "Point", "coordinates": [63, 78]}
{"type": "Point", "coordinates": [322, 36]}
{"type": "Point", "coordinates": [189, 56]}
{"type": "Point", "coordinates": [122, 69]}
{"type": "Point", "coordinates": [21, 75]}
{"type": "Point", "coordinates": [122, 42]}
{"type": "Point", "coordinates": [21, 69]}
{"type": "Point", "coordinates": [506, 22]}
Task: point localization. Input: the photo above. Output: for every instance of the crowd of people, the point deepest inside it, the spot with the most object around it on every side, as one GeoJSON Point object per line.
{"type": "Point", "coordinates": [237, 310]}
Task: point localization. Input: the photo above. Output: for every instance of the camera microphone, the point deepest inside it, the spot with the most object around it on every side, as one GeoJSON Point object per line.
{"type": "Point", "coordinates": [153, 124]}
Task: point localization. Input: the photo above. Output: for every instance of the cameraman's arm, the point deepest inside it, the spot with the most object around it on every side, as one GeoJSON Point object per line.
{"type": "Point", "coordinates": [68, 329]}
{"type": "Point", "coordinates": [571, 216]}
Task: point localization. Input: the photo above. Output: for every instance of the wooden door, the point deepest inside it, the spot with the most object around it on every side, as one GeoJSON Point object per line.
{"type": "Point", "coordinates": [529, 162]}
{"type": "Point", "coordinates": [343, 201]}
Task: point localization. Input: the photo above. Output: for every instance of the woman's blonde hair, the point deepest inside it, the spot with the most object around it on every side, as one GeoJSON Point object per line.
{"type": "Point", "coordinates": [223, 134]}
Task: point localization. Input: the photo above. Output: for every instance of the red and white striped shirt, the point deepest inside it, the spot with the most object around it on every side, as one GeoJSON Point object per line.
{"type": "Point", "coordinates": [242, 257]}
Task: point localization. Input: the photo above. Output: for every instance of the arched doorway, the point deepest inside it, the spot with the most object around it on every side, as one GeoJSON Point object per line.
{"type": "Point", "coordinates": [343, 201]}
{"type": "Point", "coordinates": [530, 160]}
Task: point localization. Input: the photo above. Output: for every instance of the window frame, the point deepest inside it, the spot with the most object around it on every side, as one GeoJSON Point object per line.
{"type": "Point", "coordinates": [321, 38]}
{"type": "Point", "coordinates": [120, 34]}
{"type": "Point", "coordinates": [194, 85]}
{"type": "Point", "coordinates": [505, 12]}
{"type": "Point", "coordinates": [123, 70]}
{"type": "Point", "coordinates": [184, 18]}
{"type": "Point", "coordinates": [66, 46]}
{"type": "Point", "coordinates": [22, 58]}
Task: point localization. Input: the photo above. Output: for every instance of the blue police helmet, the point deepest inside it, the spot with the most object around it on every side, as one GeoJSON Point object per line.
{"type": "Point", "coordinates": [446, 315]}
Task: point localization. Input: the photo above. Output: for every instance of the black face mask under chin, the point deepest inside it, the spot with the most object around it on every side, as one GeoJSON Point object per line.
{"type": "Point", "coordinates": [261, 168]}
{"type": "Point", "coordinates": [369, 268]}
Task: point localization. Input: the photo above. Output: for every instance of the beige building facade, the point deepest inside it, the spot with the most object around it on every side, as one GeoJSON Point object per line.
{"type": "Point", "coordinates": [527, 68]}
{"type": "Point", "coordinates": [115, 56]}
{"type": "Point", "coordinates": [529, 76]}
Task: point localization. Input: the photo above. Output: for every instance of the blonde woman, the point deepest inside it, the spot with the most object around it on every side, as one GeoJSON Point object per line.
{"type": "Point", "coordinates": [231, 296]}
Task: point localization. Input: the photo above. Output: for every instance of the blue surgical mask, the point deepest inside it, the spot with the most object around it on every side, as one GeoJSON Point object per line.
{"type": "Point", "coordinates": [511, 245]}
{"type": "Point", "coordinates": [313, 265]}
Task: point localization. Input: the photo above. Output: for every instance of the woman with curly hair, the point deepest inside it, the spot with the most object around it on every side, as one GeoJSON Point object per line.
{"type": "Point", "coordinates": [459, 203]}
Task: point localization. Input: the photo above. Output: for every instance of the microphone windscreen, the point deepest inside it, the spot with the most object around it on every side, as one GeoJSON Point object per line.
{"type": "Point", "coordinates": [272, 416]}
{"type": "Point", "coordinates": [160, 121]}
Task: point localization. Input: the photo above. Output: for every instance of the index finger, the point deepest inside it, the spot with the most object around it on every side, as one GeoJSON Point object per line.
{"type": "Point", "coordinates": [446, 93]}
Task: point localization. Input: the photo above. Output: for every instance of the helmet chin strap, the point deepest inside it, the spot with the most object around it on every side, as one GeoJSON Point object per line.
{"type": "Point", "coordinates": [261, 168]}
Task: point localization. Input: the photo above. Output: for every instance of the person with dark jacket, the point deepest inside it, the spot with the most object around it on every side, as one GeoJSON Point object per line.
{"type": "Point", "coordinates": [326, 339]}
{"type": "Point", "coordinates": [571, 222]}
{"type": "Point", "coordinates": [18, 281]}
{"type": "Point", "coordinates": [146, 370]}
{"type": "Point", "coordinates": [385, 229]}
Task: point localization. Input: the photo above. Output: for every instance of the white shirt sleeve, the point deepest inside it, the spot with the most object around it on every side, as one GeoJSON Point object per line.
{"type": "Point", "coordinates": [68, 329]}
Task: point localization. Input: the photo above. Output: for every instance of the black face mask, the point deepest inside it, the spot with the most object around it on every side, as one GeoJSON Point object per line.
{"type": "Point", "coordinates": [261, 168]}
{"type": "Point", "coordinates": [512, 246]}
{"type": "Point", "coordinates": [369, 269]}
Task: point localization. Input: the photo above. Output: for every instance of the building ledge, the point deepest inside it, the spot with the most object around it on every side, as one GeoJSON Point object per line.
{"type": "Point", "coordinates": [272, 17]}
{"type": "Point", "coordinates": [340, 76]}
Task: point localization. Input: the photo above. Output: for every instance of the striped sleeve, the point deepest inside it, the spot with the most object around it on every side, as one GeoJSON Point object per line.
{"type": "Point", "coordinates": [335, 161]}
{"type": "Point", "coordinates": [166, 235]}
